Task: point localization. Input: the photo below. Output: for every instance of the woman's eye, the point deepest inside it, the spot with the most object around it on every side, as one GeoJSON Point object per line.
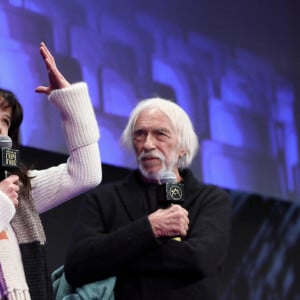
{"type": "Point", "coordinates": [6, 122]}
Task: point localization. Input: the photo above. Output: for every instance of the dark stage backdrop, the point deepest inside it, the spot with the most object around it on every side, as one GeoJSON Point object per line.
{"type": "Point", "coordinates": [263, 260]}
{"type": "Point", "coordinates": [234, 67]}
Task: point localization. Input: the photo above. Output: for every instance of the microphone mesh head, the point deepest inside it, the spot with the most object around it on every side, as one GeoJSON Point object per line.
{"type": "Point", "coordinates": [168, 177]}
{"type": "Point", "coordinates": [5, 141]}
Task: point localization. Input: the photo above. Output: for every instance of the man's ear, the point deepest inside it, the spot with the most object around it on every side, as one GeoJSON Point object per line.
{"type": "Point", "coordinates": [181, 159]}
{"type": "Point", "coordinates": [181, 153]}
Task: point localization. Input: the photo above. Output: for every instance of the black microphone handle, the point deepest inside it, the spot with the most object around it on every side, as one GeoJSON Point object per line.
{"type": "Point", "coordinates": [3, 174]}
{"type": "Point", "coordinates": [10, 158]}
{"type": "Point", "coordinates": [170, 192]}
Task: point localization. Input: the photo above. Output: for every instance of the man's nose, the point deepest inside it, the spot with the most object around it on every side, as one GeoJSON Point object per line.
{"type": "Point", "coordinates": [149, 143]}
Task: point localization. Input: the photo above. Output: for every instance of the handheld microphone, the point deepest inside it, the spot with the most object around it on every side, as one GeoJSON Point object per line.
{"type": "Point", "coordinates": [10, 158]}
{"type": "Point", "coordinates": [170, 192]}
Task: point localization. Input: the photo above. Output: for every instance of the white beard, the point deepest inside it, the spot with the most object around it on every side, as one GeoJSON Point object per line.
{"type": "Point", "coordinates": [166, 166]}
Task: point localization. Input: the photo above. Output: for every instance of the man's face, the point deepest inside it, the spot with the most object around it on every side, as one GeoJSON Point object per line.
{"type": "Point", "coordinates": [155, 143]}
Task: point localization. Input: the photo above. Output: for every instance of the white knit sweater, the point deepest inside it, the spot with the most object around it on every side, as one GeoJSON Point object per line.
{"type": "Point", "coordinates": [53, 186]}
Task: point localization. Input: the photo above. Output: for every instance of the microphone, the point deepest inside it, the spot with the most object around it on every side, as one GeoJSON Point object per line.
{"type": "Point", "coordinates": [170, 192]}
{"type": "Point", "coordinates": [10, 158]}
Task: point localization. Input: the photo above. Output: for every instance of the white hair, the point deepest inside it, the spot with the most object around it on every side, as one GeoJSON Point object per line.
{"type": "Point", "coordinates": [188, 140]}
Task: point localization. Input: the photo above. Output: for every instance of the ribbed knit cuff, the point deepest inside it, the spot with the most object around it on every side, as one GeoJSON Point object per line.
{"type": "Point", "coordinates": [76, 109]}
{"type": "Point", "coordinates": [18, 294]}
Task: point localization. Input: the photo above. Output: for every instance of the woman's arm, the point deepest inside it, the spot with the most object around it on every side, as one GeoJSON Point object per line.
{"type": "Point", "coordinates": [53, 186]}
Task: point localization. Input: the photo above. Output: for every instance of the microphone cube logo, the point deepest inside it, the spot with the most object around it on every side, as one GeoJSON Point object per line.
{"type": "Point", "coordinates": [175, 192]}
{"type": "Point", "coordinates": [10, 158]}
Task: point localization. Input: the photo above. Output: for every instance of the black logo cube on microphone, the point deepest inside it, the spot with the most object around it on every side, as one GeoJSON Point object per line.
{"type": "Point", "coordinates": [10, 159]}
{"type": "Point", "coordinates": [170, 193]}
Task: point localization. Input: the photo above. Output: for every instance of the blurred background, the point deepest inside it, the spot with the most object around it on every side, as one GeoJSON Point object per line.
{"type": "Point", "coordinates": [234, 66]}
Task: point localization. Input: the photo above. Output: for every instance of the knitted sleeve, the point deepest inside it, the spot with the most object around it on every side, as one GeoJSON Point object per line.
{"type": "Point", "coordinates": [82, 171]}
{"type": "Point", "coordinates": [7, 210]}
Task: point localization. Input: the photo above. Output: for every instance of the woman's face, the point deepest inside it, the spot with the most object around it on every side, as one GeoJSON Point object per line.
{"type": "Point", "coordinates": [5, 118]}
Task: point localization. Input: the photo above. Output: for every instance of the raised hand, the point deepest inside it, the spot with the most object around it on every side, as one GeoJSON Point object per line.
{"type": "Point", "coordinates": [10, 187]}
{"type": "Point", "coordinates": [170, 222]}
{"type": "Point", "coordinates": [56, 79]}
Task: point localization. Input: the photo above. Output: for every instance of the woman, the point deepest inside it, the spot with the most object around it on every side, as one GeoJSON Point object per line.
{"type": "Point", "coordinates": [27, 193]}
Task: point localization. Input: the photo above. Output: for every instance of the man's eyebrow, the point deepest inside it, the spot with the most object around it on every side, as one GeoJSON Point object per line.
{"type": "Point", "coordinates": [163, 129]}
{"type": "Point", "coordinates": [139, 129]}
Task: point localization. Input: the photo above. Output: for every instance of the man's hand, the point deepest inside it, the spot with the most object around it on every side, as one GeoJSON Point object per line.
{"type": "Point", "coordinates": [10, 187]}
{"type": "Point", "coordinates": [56, 79]}
{"type": "Point", "coordinates": [169, 222]}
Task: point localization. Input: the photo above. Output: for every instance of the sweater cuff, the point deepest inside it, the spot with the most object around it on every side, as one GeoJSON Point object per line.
{"type": "Point", "coordinates": [7, 210]}
{"type": "Point", "coordinates": [78, 116]}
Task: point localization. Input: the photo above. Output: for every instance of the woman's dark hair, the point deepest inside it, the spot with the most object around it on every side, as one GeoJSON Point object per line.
{"type": "Point", "coordinates": [9, 100]}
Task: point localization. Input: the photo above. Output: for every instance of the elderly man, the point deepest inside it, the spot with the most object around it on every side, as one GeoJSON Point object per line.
{"type": "Point", "coordinates": [155, 251]}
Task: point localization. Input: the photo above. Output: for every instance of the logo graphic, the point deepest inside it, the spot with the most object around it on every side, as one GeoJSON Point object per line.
{"type": "Point", "coordinates": [175, 192]}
